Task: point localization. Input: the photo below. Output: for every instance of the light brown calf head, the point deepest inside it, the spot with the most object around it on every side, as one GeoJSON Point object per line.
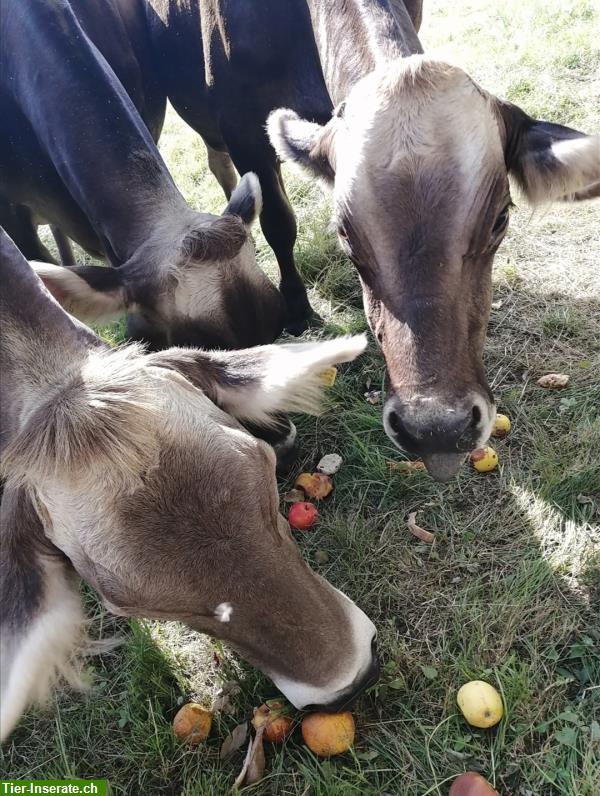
{"type": "Point", "coordinates": [133, 471]}
{"type": "Point", "coordinates": [418, 157]}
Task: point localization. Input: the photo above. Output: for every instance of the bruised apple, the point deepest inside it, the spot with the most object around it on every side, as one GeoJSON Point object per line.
{"type": "Point", "coordinates": [502, 426]}
{"type": "Point", "coordinates": [484, 459]}
{"type": "Point", "coordinates": [274, 716]}
{"type": "Point", "coordinates": [328, 734]}
{"type": "Point", "coordinates": [192, 723]}
{"type": "Point", "coordinates": [314, 485]}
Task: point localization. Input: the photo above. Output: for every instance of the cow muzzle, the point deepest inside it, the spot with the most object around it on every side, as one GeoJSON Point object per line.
{"type": "Point", "coordinates": [439, 430]}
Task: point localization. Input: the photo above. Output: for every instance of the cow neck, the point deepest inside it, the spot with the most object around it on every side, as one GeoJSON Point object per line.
{"type": "Point", "coordinates": [368, 34]}
{"type": "Point", "coordinates": [88, 126]}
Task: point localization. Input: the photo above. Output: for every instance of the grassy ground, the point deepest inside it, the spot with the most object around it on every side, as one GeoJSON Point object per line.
{"type": "Point", "coordinates": [510, 590]}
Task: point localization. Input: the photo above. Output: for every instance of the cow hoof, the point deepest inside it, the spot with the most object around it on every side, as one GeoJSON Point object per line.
{"type": "Point", "coordinates": [296, 325]}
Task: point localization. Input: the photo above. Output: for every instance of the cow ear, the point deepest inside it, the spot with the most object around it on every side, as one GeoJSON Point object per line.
{"type": "Point", "coordinates": [246, 199]}
{"type": "Point", "coordinates": [218, 239]}
{"type": "Point", "coordinates": [42, 623]}
{"type": "Point", "coordinates": [308, 144]}
{"type": "Point", "coordinates": [550, 161]}
{"type": "Point", "coordinates": [92, 293]}
{"type": "Point", "coordinates": [256, 384]}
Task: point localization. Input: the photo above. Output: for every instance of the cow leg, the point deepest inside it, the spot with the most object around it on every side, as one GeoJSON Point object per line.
{"type": "Point", "coordinates": [222, 167]}
{"type": "Point", "coordinates": [17, 220]}
{"type": "Point", "coordinates": [63, 244]}
{"type": "Point", "coordinates": [277, 221]}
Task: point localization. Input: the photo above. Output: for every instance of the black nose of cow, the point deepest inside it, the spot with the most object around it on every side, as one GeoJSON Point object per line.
{"type": "Point", "coordinates": [439, 431]}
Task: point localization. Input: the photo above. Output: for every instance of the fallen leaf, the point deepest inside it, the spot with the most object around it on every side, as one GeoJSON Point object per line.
{"type": "Point", "coordinates": [373, 396]}
{"type": "Point", "coordinates": [567, 736]}
{"type": "Point", "coordinates": [222, 704]}
{"type": "Point", "coordinates": [235, 740]}
{"type": "Point", "coordinates": [330, 464]}
{"type": "Point", "coordinates": [553, 381]}
{"type": "Point", "coordinates": [430, 672]}
{"type": "Point", "coordinates": [321, 557]}
{"type": "Point", "coordinates": [239, 780]}
{"type": "Point", "coordinates": [261, 716]}
{"type": "Point", "coordinates": [584, 500]}
{"type": "Point", "coordinates": [294, 496]}
{"type": "Point", "coordinates": [368, 756]}
{"type": "Point", "coordinates": [407, 468]}
{"type": "Point", "coordinates": [254, 763]}
{"type": "Point", "coordinates": [416, 530]}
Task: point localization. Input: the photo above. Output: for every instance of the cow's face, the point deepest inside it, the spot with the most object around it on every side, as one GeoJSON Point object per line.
{"type": "Point", "coordinates": [194, 282]}
{"type": "Point", "coordinates": [418, 157]}
{"type": "Point", "coordinates": [169, 508]}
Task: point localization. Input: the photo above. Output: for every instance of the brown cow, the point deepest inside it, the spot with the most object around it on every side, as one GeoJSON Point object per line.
{"type": "Point", "coordinates": [418, 157]}
{"type": "Point", "coordinates": [132, 472]}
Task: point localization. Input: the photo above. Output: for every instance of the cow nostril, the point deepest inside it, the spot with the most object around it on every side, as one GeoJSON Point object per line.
{"type": "Point", "coordinates": [476, 416]}
{"type": "Point", "coordinates": [394, 422]}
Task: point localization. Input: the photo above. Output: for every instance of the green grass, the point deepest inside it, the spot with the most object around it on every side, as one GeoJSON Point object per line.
{"type": "Point", "coordinates": [510, 590]}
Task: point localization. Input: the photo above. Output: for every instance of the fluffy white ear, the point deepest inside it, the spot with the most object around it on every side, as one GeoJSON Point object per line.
{"type": "Point", "coordinates": [550, 161]}
{"type": "Point", "coordinates": [42, 623]}
{"type": "Point", "coordinates": [299, 141]}
{"type": "Point", "coordinates": [91, 293]}
{"type": "Point", "coordinates": [255, 384]}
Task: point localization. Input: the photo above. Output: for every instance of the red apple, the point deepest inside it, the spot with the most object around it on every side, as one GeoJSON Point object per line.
{"type": "Point", "coordinates": [472, 784]}
{"type": "Point", "coordinates": [302, 516]}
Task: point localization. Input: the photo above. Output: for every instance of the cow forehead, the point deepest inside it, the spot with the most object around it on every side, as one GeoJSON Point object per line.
{"type": "Point", "coordinates": [414, 116]}
{"type": "Point", "coordinates": [201, 465]}
{"type": "Point", "coordinates": [199, 286]}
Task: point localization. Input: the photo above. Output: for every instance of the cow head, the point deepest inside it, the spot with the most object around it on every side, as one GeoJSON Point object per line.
{"type": "Point", "coordinates": [418, 157]}
{"type": "Point", "coordinates": [132, 471]}
{"type": "Point", "coordinates": [194, 282]}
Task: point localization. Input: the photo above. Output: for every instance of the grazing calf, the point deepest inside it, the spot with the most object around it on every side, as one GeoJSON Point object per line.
{"type": "Point", "coordinates": [418, 157]}
{"type": "Point", "coordinates": [75, 153]}
{"type": "Point", "coordinates": [132, 472]}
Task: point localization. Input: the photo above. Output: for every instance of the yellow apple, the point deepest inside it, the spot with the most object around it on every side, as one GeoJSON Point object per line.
{"type": "Point", "coordinates": [480, 704]}
{"type": "Point", "coordinates": [502, 426]}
